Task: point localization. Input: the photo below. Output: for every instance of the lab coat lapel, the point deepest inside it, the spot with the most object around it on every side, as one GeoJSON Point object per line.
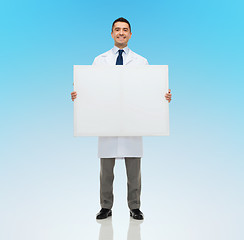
{"type": "Point", "coordinates": [129, 58]}
{"type": "Point", "coordinates": [107, 58]}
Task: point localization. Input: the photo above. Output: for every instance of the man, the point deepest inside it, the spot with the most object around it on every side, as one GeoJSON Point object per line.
{"type": "Point", "coordinates": [129, 148]}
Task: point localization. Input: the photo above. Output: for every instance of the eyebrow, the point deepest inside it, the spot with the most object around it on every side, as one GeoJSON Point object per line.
{"type": "Point", "coordinates": [120, 28]}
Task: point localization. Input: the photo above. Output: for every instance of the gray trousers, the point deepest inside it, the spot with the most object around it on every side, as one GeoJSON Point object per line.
{"type": "Point", "coordinates": [133, 170]}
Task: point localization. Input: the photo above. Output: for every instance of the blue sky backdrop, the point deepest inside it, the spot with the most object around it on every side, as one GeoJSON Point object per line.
{"type": "Point", "coordinates": [201, 41]}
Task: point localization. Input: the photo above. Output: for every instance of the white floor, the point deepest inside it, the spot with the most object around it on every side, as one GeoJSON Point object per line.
{"type": "Point", "coordinates": [64, 221]}
{"type": "Point", "coordinates": [60, 202]}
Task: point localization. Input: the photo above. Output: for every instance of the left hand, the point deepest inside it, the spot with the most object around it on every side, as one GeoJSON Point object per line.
{"type": "Point", "coordinates": [168, 96]}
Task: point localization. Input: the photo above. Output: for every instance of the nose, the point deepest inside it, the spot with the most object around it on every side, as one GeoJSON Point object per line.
{"type": "Point", "coordinates": [121, 32]}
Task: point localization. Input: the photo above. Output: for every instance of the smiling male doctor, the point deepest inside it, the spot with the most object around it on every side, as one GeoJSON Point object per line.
{"type": "Point", "coordinates": [129, 148]}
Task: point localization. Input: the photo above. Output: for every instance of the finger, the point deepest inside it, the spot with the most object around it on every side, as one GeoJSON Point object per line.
{"type": "Point", "coordinates": [169, 90]}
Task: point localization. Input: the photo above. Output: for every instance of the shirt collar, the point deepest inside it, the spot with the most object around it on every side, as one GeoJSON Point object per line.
{"type": "Point", "coordinates": [116, 49]}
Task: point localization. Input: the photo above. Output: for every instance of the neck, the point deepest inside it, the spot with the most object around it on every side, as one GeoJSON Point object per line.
{"type": "Point", "coordinates": [120, 46]}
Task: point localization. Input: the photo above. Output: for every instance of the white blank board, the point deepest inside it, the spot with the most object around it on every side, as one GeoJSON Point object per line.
{"type": "Point", "coordinates": [121, 100]}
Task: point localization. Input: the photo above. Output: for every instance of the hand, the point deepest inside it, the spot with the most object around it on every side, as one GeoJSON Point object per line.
{"type": "Point", "coordinates": [73, 96]}
{"type": "Point", "coordinates": [168, 96]}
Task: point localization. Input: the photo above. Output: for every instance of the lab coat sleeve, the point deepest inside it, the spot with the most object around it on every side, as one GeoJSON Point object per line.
{"type": "Point", "coordinates": [95, 62]}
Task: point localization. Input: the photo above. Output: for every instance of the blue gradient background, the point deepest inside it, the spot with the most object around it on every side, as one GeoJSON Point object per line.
{"type": "Point", "coordinates": [198, 167]}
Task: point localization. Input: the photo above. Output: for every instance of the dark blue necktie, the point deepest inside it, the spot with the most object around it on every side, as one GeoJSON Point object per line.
{"type": "Point", "coordinates": [119, 60]}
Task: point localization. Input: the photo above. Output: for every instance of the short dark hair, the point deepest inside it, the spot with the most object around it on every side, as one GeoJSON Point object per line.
{"type": "Point", "coordinates": [121, 19]}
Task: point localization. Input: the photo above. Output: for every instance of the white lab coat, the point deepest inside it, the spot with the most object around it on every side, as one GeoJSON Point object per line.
{"type": "Point", "coordinates": [120, 147]}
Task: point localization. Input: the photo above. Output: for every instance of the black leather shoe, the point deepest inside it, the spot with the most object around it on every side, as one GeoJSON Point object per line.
{"type": "Point", "coordinates": [104, 213]}
{"type": "Point", "coordinates": [136, 214]}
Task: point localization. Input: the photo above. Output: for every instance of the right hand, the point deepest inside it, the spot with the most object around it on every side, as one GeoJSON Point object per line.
{"type": "Point", "coordinates": [73, 96]}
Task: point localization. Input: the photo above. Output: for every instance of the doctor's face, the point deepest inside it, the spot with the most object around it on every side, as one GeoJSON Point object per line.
{"type": "Point", "coordinates": [121, 34]}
